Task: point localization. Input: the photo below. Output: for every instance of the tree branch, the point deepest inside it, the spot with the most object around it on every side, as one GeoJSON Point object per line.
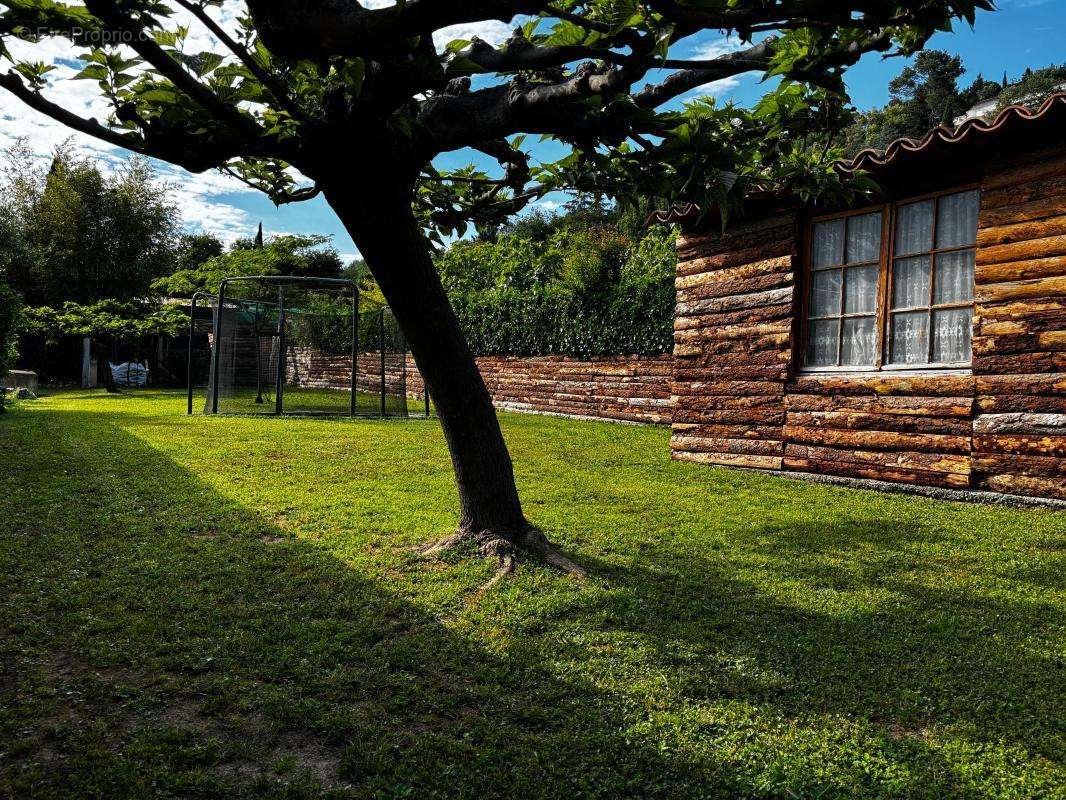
{"type": "Point", "coordinates": [146, 47]}
{"type": "Point", "coordinates": [756, 57]}
{"type": "Point", "coordinates": [270, 82]}
{"type": "Point", "coordinates": [38, 102]}
{"type": "Point", "coordinates": [313, 29]}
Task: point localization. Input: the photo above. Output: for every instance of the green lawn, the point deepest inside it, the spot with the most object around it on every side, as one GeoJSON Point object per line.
{"type": "Point", "coordinates": [231, 607]}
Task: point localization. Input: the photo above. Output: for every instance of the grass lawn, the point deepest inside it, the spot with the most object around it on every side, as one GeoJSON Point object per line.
{"type": "Point", "coordinates": [231, 607]}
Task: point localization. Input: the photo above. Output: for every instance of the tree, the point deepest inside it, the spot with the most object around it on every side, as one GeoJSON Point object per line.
{"type": "Point", "coordinates": [978, 91]}
{"type": "Point", "coordinates": [929, 90]}
{"type": "Point", "coordinates": [195, 249]}
{"type": "Point", "coordinates": [361, 100]}
{"type": "Point", "coordinates": [83, 235]}
{"type": "Point", "coordinates": [283, 255]}
{"type": "Point", "coordinates": [1034, 87]}
{"type": "Point", "coordinates": [924, 95]}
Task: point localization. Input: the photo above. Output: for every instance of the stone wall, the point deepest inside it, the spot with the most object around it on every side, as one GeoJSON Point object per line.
{"type": "Point", "coordinates": [624, 388]}
{"type": "Point", "coordinates": [1002, 426]}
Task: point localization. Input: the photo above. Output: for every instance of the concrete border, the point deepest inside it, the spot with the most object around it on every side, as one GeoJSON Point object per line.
{"type": "Point", "coordinates": [978, 496]}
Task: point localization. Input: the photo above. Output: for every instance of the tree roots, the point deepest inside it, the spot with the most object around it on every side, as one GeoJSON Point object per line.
{"type": "Point", "coordinates": [506, 548]}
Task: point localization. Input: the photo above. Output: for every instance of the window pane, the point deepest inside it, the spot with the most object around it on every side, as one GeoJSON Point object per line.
{"type": "Point", "coordinates": [910, 282]}
{"type": "Point", "coordinates": [864, 238]}
{"type": "Point", "coordinates": [956, 219]}
{"type": "Point", "coordinates": [827, 245]}
{"type": "Point", "coordinates": [910, 338]}
{"type": "Point", "coordinates": [954, 277]}
{"type": "Point", "coordinates": [825, 293]}
{"type": "Point", "coordinates": [952, 329]}
{"type": "Point", "coordinates": [859, 343]}
{"type": "Point", "coordinates": [822, 342]}
{"type": "Point", "coordinates": [860, 289]}
{"type": "Point", "coordinates": [914, 228]}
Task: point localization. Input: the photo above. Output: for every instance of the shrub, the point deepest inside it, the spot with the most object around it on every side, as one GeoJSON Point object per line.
{"type": "Point", "coordinates": [581, 291]}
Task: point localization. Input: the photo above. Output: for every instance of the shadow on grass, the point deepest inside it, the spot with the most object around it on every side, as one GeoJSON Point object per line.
{"type": "Point", "coordinates": [161, 639]}
{"type": "Point", "coordinates": [875, 640]}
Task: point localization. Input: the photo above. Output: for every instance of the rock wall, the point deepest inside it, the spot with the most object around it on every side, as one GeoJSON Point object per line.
{"type": "Point", "coordinates": [624, 388]}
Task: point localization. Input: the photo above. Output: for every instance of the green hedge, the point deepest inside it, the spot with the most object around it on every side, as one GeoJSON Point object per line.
{"type": "Point", "coordinates": [576, 288]}
{"type": "Point", "coordinates": [629, 320]}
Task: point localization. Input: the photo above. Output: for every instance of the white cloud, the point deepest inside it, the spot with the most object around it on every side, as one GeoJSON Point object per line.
{"type": "Point", "coordinates": [710, 50]}
{"type": "Point", "coordinates": [201, 198]}
{"type": "Point", "coordinates": [492, 31]}
{"type": "Point", "coordinates": [717, 88]}
{"type": "Point", "coordinates": [707, 51]}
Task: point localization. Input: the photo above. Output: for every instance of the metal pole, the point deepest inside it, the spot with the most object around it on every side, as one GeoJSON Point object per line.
{"type": "Point", "coordinates": [279, 389]}
{"type": "Point", "coordinates": [216, 346]}
{"type": "Point", "coordinates": [381, 342]}
{"type": "Point", "coordinates": [355, 348]}
{"type": "Point", "coordinates": [258, 357]}
{"type": "Point", "coordinates": [192, 332]}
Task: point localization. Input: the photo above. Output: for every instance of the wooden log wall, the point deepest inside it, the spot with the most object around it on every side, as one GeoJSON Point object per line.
{"type": "Point", "coordinates": [1019, 443]}
{"type": "Point", "coordinates": [739, 399]}
{"type": "Point", "coordinates": [733, 342]}
{"type": "Point", "coordinates": [624, 388]}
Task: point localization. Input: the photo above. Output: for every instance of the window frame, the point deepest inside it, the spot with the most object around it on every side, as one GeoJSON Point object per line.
{"type": "Point", "coordinates": [889, 217]}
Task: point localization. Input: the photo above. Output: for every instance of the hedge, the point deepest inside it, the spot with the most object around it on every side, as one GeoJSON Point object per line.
{"type": "Point", "coordinates": [627, 320]}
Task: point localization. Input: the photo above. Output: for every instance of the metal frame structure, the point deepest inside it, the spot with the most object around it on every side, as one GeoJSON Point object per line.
{"type": "Point", "coordinates": [279, 393]}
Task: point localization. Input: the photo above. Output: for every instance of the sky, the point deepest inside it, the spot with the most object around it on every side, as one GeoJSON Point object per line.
{"type": "Point", "coordinates": [1022, 33]}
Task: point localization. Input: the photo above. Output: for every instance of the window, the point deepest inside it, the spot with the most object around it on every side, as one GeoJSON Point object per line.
{"type": "Point", "coordinates": [892, 288]}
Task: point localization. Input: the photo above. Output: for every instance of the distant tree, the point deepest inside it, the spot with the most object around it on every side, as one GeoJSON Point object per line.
{"type": "Point", "coordinates": [195, 249]}
{"type": "Point", "coordinates": [81, 234]}
{"type": "Point", "coordinates": [10, 323]}
{"type": "Point", "coordinates": [978, 91]}
{"type": "Point", "coordinates": [928, 90]}
{"type": "Point", "coordinates": [924, 95]}
{"type": "Point", "coordinates": [283, 255]}
{"type": "Point", "coordinates": [1034, 87]}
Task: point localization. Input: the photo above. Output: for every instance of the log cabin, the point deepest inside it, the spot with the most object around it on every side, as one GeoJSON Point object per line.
{"type": "Point", "coordinates": [918, 339]}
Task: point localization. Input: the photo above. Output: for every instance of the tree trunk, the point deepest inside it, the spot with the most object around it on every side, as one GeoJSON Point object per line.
{"type": "Point", "coordinates": [380, 220]}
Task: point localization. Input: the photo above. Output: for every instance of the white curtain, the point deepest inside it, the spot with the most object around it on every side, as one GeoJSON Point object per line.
{"type": "Point", "coordinates": [914, 228]}
{"type": "Point", "coordinates": [910, 338]}
{"type": "Point", "coordinates": [956, 220]}
{"type": "Point", "coordinates": [910, 282]}
{"type": "Point", "coordinates": [822, 342]}
{"type": "Point", "coordinates": [952, 328]}
{"type": "Point", "coordinates": [954, 277]}
{"type": "Point", "coordinates": [827, 247]}
{"type": "Point", "coordinates": [864, 238]}
{"type": "Point", "coordinates": [859, 343]}
{"type": "Point", "coordinates": [860, 289]}
{"type": "Point", "coordinates": [825, 293]}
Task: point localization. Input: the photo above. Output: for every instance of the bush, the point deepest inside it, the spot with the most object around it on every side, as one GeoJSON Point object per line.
{"type": "Point", "coordinates": [10, 316]}
{"type": "Point", "coordinates": [579, 291]}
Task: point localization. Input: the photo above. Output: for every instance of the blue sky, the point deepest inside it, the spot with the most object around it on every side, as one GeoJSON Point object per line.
{"type": "Point", "coordinates": [1021, 33]}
